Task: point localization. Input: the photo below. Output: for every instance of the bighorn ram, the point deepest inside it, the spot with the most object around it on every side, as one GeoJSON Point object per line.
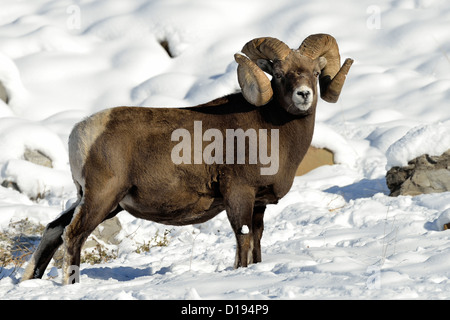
{"type": "Point", "coordinates": [122, 158]}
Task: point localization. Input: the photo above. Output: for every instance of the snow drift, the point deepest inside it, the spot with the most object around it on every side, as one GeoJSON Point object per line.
{"type": "Point", "coordinates": [335, 235]}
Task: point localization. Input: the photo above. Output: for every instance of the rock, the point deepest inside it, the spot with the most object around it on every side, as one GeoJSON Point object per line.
{"type": "Point", "coordinates": [315, 157]}
{"type": "Point", "coordinates": [424, 174]}
{"type": "Point", "coordinates": [3, 93]}
{"type": "Point", "coordinates": [105, 232]}
{"type": "Point", "coordinates": [37, 157]}
{"type": "Point", "coordinates": [165, 44]}
{"type": "Point", "coordinates": [10, 185]}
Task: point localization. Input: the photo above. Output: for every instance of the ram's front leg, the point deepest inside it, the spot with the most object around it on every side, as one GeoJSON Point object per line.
{"type": "Point", "coordinates": [257, 229]}
{"type": "Point", "coordinates": [239, 206]}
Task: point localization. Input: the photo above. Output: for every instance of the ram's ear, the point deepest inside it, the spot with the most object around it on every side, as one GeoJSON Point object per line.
{"type": "Point", "coordinates": [255, 85]}
{"type": "Point", "coordinates": [322, 62]}
{"type": "Point", "coordinates": [265, 65]}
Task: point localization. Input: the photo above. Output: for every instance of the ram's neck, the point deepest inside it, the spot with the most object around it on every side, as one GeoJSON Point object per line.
{"type": "Point", "coordinates": [231, 104]}
{"type": "Point", "coordinates": [295, 135]}
{"type": "Point", "coordinates": [295, 131]}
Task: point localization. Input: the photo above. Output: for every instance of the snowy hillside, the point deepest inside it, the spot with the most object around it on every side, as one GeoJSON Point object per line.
{"type": "Point", "coordinates": [336, 234]}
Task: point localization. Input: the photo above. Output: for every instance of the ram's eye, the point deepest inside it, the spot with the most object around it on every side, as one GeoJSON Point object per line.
{"type": "Point", "coordinates": [316, 73]}
{"type": "Point", "coordinates": [278, 75]}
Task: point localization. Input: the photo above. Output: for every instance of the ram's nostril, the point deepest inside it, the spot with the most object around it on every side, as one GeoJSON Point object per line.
{"type": "Point", "coordinates": [304, 94]}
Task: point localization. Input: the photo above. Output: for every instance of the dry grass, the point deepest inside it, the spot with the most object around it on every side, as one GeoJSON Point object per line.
{"type": "Point", "coordinates": [17, 244]}
{"type": "Point", "coordinates": [20, 239]}
{"type": "Point", "coordinates": [98, 254]}
{"type": "Point", "coordinates": [156, 241]}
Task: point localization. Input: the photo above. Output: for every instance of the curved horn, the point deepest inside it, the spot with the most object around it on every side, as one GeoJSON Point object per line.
{"type": "Point", "coordinates": [255, 85]}
{"type": "Point", "coordinates": [266, 48]}
{"type": "Point", "coordinates": [332, 77]}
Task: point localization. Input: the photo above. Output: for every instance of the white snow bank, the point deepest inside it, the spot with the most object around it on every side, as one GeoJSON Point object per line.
{"type": "Point", "coordinates": [17, 135]}
{"type": "Point", "coordinates": [443, 219]}
{"type": "Point", "coordinates": [36, 181]}
{"type": "Point", "coordinates": [10, 78]}
{"type": "Point", "coordinates": [326, 137]}
{"type": "Point", "coordinates": [432, 139]}
{"type": "Point", "coordinates": [334, 231]}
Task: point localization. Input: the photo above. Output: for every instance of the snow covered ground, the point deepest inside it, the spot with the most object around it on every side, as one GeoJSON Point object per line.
{"type": "Point", "coordinates": [337, 233]}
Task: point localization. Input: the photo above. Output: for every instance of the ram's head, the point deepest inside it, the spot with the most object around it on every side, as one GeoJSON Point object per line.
{"type": "Point", "coordinates": [294, 72]}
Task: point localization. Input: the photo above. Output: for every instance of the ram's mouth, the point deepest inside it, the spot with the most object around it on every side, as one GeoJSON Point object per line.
{"type": "Point", "coordinates": [303, 106]}
{"type": "Point", "coordinates": [299, 110]}
{"type": "Point", "coordinates": [302, 98]}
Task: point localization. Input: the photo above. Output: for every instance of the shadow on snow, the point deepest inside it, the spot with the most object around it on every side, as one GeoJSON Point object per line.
{"type": "Point", "coordinates": [364, 188]}
{"type": "Point", "coordinates": [122, 273]}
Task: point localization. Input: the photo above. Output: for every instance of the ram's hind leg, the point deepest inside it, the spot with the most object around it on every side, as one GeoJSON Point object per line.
{"type": "Point", "coordinates": [92, 210]}
{"type": "Point", "coordinates": [50, 242]}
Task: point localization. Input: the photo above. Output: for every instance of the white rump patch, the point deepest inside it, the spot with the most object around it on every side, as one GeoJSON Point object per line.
{"type": "Point", "coordinates": [81, 139]}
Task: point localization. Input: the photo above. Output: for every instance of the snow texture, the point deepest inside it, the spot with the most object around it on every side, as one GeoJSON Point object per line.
{"type": "Point", "coordinates": [244, 229]}
{"type": "Point", "coordinates": [336, 234]}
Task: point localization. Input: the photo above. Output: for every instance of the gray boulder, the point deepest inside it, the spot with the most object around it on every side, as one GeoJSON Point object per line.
{"type": "Point", "coordinates": [424, 174]}
{"type": "Point", "coordinates": [37, 157]}
{"type": "Point", "coordinates": [34, 156]}
{"type": "Point", "coordinates": [106, 232]}
{"type": "Point", "coordinates": [3, 93]}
